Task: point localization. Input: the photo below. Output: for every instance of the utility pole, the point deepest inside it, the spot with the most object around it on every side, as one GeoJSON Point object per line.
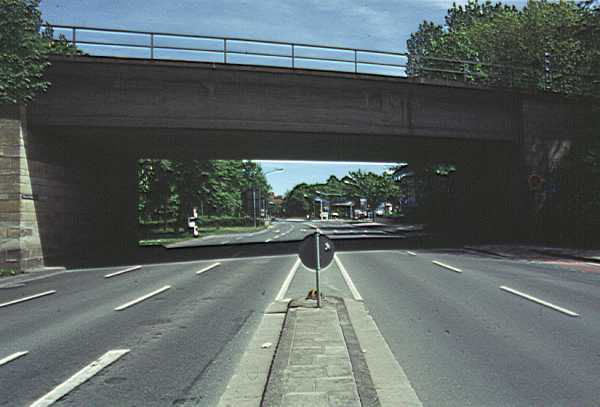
{"type": "Point", "coordinates": [254, 203]}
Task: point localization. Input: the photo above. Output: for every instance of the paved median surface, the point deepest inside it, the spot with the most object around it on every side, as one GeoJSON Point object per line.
{"type": "Point", "coordinates": [313, 365]}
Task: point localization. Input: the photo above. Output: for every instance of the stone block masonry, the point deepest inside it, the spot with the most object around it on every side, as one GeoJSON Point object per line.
{"type": "Point", "coordinates": [314, 366]}
{"type": "Point", "coordinates": [59, 196]}
{"type": "Point", "coordinates": [20, 245]}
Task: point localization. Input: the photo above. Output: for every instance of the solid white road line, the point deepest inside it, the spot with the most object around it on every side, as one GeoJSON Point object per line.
{"type": "Point", "coordinates": [439, 263]}
{"type": "Point", "coordinates": [288, 280]}
{"type": "Point", "coordinates": [127, 270]}
{"type": "Point", "coordinates": [411, 253]}
{"type": "Point", "coordinates": [212, 266]}
{"type": "Point", "coordinates": [79, 378]}
{"type": "Point", "coordinates": [347, 278]}
{"type": "Point", "coordinates": [31, 297]}
{"type": "Point", "coordinates": [145, 297]}
{"type": "Point", "coordinates": [541, 302]}
{"type": "Point", "coordinates": [12, 357]}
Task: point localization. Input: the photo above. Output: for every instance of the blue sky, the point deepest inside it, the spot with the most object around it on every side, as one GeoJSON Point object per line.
{"type": "Point", "coordinates": [368, 24]}
{"type": "Point", "coordinates": [310, 172]}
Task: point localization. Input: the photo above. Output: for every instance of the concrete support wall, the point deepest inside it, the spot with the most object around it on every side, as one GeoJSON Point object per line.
{"type": "Point", "coordinates": [20, 243]}
{"type": "Point", "coordinates": [550, 127]}
{"type": "Point", "coordinates": [61, 203]}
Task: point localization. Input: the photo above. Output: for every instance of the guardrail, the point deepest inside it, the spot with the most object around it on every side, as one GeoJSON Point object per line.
{"type": "Point", "coordinates": [170, 46]}
{"type": "Point", "coordinates": [231, 50]}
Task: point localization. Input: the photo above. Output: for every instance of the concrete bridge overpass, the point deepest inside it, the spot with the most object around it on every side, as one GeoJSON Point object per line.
{"type": "Point", "coordinates": [69, 160]}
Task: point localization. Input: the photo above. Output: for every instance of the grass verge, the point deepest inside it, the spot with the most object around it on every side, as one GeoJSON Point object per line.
{"type": "Point", "coordinates": [8, 272]}
{"type": "Point", "coordinates": [209, 231]}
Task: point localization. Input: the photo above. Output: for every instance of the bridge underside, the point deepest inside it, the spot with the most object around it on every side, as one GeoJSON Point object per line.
{"type": "Point", "coordinates": [85, 183]}
{"type": "Point", "coordinates": [69, 163]}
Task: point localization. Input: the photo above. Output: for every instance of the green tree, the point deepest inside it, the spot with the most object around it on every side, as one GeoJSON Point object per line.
{"type": "Point", "coordinates": [298, 201]}
{"type": "Point", "coordinates": [534, 47]}
{"type": "Point", "coordinates": [24, 50]}
{"type": "Point", "coordinates": [376, 189]}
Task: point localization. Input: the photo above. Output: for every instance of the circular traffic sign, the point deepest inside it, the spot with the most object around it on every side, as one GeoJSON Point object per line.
{"type": "Point", "coordinates": [308, 251]}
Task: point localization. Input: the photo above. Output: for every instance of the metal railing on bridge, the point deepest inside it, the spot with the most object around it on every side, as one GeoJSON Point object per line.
{"type": "Point", "coordinates": [178, 47]}
{"type": "Point", "coordinates": [197, 48]}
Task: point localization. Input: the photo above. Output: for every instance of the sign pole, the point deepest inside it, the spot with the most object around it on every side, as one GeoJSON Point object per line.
{"type": "Point", "coordinates": [317, 271]}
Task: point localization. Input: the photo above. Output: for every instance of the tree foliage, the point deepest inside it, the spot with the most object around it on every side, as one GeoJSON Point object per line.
{"type": "Point", "coordinates": [356, 185]}
{"type": "Point", "coordinates": [24, 51]}
{"type": "Point", "coordinates": [170, 189]}
{"type": "Point", "coordinates": [545, 45]}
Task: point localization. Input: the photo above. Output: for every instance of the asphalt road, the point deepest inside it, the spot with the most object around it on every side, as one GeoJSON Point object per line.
{"type": "Point", "coordinates": [461, 339]}
{"type": "Point", "coordinates": [292, 230]}
{"type": "Point", "coordinates": [465, 342]}
{"type": "Point", "coordinates": [278, 231]}
{"type": "Point", "coordinates": [184, 343]}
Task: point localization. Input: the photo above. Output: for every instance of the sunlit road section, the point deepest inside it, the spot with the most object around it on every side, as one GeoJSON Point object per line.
{"type": "Point", "coordinates": [277, 231]}
{"type": "Point", "coordinates": [467, 329]}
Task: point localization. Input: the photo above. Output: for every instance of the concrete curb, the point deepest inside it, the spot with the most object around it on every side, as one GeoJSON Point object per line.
{"type": "Point", "coordinates": [247, 385]}
{"type": "Point", "coordinates": [567, 256]}
{"type": "Point", "coordinates": [551, 253]}
{"type": "Point", "coordinates": [391, 383]}
{"type": "Point", "coordinates": [30, 275]}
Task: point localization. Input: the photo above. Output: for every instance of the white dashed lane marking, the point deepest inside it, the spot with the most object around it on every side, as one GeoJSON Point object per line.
{"type": "Point", "coordinates": [539, 301]}
{"type": "Point", "coordinates": [145, 297]}
{"type": "Point", "coordinates": [31, 297]}
{"type": "Point", "coordinates": [12, 357]}
{"type": "Point", "coordinates": [447, 266]}
{"type": "Point", "coordinates": [127, 270]}
{"type": "Point", "coordinates": [212, 266]}
{"type": "Point", "coordinates": [79, 378]}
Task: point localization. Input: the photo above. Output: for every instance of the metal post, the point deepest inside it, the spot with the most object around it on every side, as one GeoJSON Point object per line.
{"type": "Point", "coordinates": [254, 204]}
{"type": "Point", "coordinates": [151, 45]}
{"type": "Point", "coordinates": [293, 60]}
{"type": "Point", "coordinates": [547, 77]}
{"type": "Point", "coordinates": [225, 50]}
{"type": "Point", "coordinates": [317, 271]}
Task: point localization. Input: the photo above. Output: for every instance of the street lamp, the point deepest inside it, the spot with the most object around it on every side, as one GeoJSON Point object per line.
{"type": "Point", "coordinates": [273, 171]}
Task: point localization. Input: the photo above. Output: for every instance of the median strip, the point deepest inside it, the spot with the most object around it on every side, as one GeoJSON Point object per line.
{"type": "Point", "coordinates": [347, 278]}
{"type": "Point", "coordinates": [80, 377]}
{"type": "Point", "coordinates": [145, 297]}
{"type": "Point", "coordinates": [539, 301]}
{"type": "Point", "coordinates": [444, 265]}
{"type": "Point", "coordinates": [31, 297]}
{"type": "Point", "coordinates": [212, 266]}
{"type": "Point", "coordinates": [12, 357]}
{"type": "Point", "coordinates": [127, 270]}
